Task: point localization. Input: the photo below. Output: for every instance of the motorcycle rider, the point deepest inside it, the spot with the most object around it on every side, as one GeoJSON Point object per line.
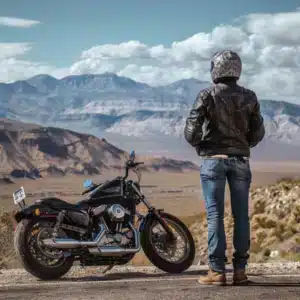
{"type": "Point", "coordinates": [223, 124]}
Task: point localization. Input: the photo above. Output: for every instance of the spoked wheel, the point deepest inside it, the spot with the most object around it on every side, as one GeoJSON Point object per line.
{"type": "Point", "coordinates": [172, 256]}
{"type": "Point", "coordinates": [41, 261]}
{"type": "Point", "coordinates": [46, 256]}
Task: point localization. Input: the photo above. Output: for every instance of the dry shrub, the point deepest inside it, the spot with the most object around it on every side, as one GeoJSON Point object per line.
{"type": "Point", "coordinates": [7, 252]}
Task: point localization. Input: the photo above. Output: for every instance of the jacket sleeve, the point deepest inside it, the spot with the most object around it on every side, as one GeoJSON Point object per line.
{"type": "Point", "coordinates": [256, 125]}
{"type": "Point", "coordinates": [193, 127]}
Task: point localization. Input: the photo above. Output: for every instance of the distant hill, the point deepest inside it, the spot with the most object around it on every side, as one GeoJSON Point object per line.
{"type": "Point", "coordinates": [29, 150]}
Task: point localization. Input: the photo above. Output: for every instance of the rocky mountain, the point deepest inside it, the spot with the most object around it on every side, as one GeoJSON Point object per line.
{"type": "Point", "coordinates": [29, 150]}
{"type": "Point", "coordinates": [107, 105]}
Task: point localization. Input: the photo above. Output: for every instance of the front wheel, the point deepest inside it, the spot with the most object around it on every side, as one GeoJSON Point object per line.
{"type": "Point", "coordinates": [40, 261]}
{"type": "Point", "coordinates": [169, 256]}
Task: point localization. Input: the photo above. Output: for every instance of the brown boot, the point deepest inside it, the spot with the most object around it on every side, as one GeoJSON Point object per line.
{"type": "Point", "coordinates": [240, 278]}
{"type": "Point", "coordinates": [213, 278]}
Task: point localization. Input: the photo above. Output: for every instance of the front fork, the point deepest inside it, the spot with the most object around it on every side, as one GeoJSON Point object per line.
{"type": "Point", "coordinates": [153, 212]}
{"type": "Point", "coordinates": [163, 223]}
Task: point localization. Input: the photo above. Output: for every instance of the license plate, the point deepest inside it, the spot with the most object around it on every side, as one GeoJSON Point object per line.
{"type": "Point", "coordinates": [19, 195]}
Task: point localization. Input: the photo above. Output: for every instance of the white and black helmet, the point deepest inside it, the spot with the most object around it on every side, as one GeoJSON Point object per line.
{"type": "Point", "coordinates": [225, 64]}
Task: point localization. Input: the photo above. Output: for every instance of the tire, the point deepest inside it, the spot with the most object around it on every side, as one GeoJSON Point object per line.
{"type": "Point", "coordinates": [159, 261]}
{"type": "Point", "coordinates": [29, 262]}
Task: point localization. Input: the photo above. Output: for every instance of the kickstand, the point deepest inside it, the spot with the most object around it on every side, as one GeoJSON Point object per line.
{"type": "Point", "coordinates": [108, 268]}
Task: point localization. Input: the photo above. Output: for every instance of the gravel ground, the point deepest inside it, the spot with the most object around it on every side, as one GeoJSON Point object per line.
{"type": "Point", "coordinates": [269, 282]}
{"type": "Point", "coordinates": [20, 276]}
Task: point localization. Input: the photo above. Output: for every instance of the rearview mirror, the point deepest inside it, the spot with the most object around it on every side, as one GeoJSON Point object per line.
{"type": "Point", "coordinates": [132, 155]}
{"type": "Point", "coordinates": [87, 183]}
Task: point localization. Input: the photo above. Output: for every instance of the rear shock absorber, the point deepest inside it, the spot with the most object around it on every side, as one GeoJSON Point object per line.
{"type": "Point", "coordinates": [59, 222]}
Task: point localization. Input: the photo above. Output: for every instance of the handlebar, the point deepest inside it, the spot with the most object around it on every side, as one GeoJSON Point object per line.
{"type": "Point", "coordinates": [130, 165]}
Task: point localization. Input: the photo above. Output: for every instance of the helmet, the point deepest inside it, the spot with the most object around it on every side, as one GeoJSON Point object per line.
{"type": "Point", "coordinates": [225, 63]}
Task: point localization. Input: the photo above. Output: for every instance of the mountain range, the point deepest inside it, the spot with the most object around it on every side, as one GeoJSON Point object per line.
{"type": "Point", "coordinates": [122, 110]}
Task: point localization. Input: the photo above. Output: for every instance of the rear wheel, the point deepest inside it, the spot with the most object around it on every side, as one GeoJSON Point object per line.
{"type": "Point", "coordinates": [37, 259]}
{"type": "Point", "coordinates": [169, 256]}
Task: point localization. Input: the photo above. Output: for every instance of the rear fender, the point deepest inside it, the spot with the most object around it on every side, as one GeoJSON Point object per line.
{"type": "Point", "coordinates": [35, 210]}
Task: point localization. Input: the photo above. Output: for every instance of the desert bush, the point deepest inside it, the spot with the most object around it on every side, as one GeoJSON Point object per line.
{"type": "Point", "coordinates": [297, 239]}
{"type": "Point", "coordinates": [264, 221]}
{"type": "Point", "coordinates": [260, 236]}
{"type": "Point", "coordinates": [296, 214]}
{"type": "Point", "coordinates": [287, 234]}
{"type": "Point", "coordinates": [255, 247]}
{"type": "Point", "coordinates": [266, 252]}
{"type": "Point", "coordinates": [288, 180]}
{"type": "Point", "coordinates": [7, 253]}
{"type": "Point", "coordinates": [259, 207]}
{"type": "Point", "coordinates": [270, 223]}
{"type": "Point", "coordinates": [279, 231]}
{"type": "Point", "coordinates": [290, 256]}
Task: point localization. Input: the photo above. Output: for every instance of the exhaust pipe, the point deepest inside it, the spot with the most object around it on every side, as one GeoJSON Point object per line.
{"type": "Point", "coordinates": [93, 245]}
{"type": "Point", "coordinates": [116, 251]}
{"type": "Point", "coordinates": [71, 243]}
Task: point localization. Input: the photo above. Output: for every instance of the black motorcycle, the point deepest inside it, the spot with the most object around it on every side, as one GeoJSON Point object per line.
{"type": "Point", "coordinates": [105, 229]}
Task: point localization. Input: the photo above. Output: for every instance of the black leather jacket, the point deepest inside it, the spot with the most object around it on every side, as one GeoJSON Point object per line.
{"type": "Point", "coordinates": [225, 119]}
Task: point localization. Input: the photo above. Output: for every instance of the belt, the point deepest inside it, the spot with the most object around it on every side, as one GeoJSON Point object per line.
{"type": "Point", "coordinates": [224, 156]}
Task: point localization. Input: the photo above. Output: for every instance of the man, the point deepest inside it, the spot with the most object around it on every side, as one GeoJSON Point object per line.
{"type": "Point", "coordinates": [224, 123]}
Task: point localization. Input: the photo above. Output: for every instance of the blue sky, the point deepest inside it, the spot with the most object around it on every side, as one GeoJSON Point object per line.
{"type": "Point", "coordinates": [70, 26]}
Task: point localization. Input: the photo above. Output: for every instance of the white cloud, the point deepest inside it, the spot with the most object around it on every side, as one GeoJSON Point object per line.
{"type": "Point", "coordinates": [8, 50]}
{"type": "Point", "coordinates": [16, 22]}
{"type": "Point", "coordinates": [276, 29]}
{"type": "Point", "coordinates": [13, 68]}
{"type": "Point", "coordinates": [131, 49]}
{"type": "Point", "coordinates": [269, 45]}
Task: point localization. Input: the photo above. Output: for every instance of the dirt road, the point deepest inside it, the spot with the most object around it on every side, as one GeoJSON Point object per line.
{"type": "Point", "coordinates": [267, 283]}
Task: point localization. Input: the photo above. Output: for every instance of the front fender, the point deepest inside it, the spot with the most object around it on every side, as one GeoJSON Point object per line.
{"type": "Point", "coordinates": [35, 210]}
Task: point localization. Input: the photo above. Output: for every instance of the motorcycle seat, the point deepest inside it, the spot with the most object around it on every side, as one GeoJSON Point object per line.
{"type": "Point", "coordinates": [56, 203]}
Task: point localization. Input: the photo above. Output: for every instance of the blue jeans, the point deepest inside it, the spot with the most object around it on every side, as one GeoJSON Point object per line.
{"type": "Point", "coordinates": [213, 174]}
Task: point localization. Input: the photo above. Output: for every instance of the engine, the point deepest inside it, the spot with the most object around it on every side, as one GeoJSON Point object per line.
{"type": "Point", "coordinates": [116, 220]}
{"type": "Point", "coordinates": [116, 213]}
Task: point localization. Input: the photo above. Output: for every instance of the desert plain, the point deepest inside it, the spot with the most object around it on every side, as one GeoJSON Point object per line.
{"type": "Point", "coordinates": [177, 193]}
